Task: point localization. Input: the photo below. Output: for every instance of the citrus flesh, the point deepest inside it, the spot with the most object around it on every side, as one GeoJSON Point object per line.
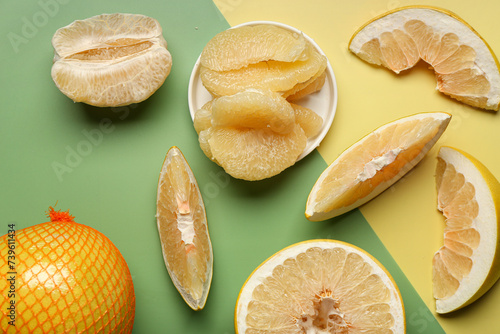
{"type": "Point", "coordinates": [254, 134]}
{"type": "Point", "coordinates": [70, 278]}
{"type": "Point", "coordinates": [300, 90]}
{"type": "Point", "coordinates": [373, 164]}
{"type": "Point", "coordinates": [250, 128]}
{"type": "Point", "coordinates": [466, 68]}
{"type": "Point", "coordinates": [468, 264]}
{"type": "Point", "coordinates": [320, 286]}
{"type": "Point", "coordinates": [308, 120]}
{"type": "Point", "coordinates": [203, 117]}
{"type": "Point", "coordinates": [241, 46]}
{"type": "Point", "coordinates": [110, 60]}
{"type": "Point", "coordinates": [254, 108]}
{"type": "Point", "coordinates": [183, 230]}
{"type": "Point", "coordinates": [254, 154]}
{"type": "Point", "coordinates": [278, 76]}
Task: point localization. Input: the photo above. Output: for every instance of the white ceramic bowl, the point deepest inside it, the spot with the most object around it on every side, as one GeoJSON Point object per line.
{"type": "Point", "coordinates": [323, 102]}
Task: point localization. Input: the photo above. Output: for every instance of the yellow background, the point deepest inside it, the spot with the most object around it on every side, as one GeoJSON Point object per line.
{"type": "Point", "coordinates": [405, 216]}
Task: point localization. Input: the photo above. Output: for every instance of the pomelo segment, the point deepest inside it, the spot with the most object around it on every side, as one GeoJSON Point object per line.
{"type": "Point", "coordinates": [255, 154]}
{"type": "Point", "coordinates": [309, 121]}
{"type": "Point", "coordinates": [254, 109]}
{"type": "Point", "coordinates": [250, 71]}
{"type": "Point", "coordinates": [254, 134]}
{"type": "Point", "coordinates": [303, 89]}
{"type": "Point", "coordinates": [277, 76]}
{"type": "Point", "coordinates": [203, 117]}
{"type": "Point", "coordinates": [239, 47]}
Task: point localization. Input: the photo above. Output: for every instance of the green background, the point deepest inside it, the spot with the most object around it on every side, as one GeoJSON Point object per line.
{"type": "Point", "coordinates": [103, 165]}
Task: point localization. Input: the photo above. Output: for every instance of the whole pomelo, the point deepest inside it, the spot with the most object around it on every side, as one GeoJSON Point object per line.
{"type": "Point", "coordinates": [63, 277]}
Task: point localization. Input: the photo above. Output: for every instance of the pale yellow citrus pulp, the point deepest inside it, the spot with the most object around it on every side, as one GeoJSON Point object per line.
{"type": "Point", "coordinates": [110, 60]}
{"type": "Point", "coordinates": [320, 286]}
{"type": "Point", "coordinates": [182, 226]}
{"type": "Point", "coordinates": [468, 263]}
{"type": "Point", "coordinates": [465, 66]}
{"type": "Point", "coordinates": [373, 164]}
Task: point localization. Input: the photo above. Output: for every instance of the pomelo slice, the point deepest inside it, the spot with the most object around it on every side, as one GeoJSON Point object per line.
{"type": "Point", "coordinates": [465, 66]}
{"type": "Point", "coordinates": [468, 264]}
{"type": "Point", "coordinates": [320, 286]}
{"type": "Point", "coordinates": [373, 164]}
{"type": "Point", "coordinates": [182, 226]}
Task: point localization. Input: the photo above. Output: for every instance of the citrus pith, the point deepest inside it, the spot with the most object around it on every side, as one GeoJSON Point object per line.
{"type": "Point", "coordinates": [110, 60]}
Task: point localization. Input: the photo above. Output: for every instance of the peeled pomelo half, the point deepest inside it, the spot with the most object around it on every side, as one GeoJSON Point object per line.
{"type": "Point", "coordinates": [320, 286]}
{"type": "Point", "coordinates": [373, 164]}
{"type": "Point", "coordinates": [465, 66]}
{"type": "Point", "coordinates": [183, 230]}
{"type": "Point", "coordinates": [110, 60]}
{"type": "Point", "coordinates": [468, 264]}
